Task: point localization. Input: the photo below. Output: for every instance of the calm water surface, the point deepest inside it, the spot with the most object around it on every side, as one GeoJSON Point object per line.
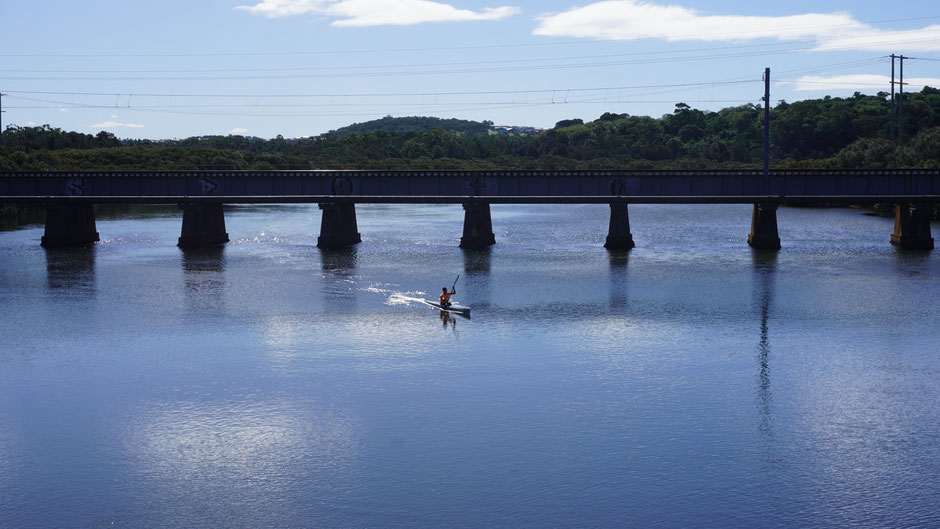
{"type": "Point", "coordinates": [691, 382]}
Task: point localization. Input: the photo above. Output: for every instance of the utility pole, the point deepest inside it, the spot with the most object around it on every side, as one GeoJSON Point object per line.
{"type": "Point", "coordinates": [1, 117]}
{"type": "Point", "coordinates": [893, 108]}
{"type": "Point", "coordinates": [766, 131]}
{"type": "Point", "coordinates": [898, 104]}
{"type": "Point", "coordinates": [901, 99]}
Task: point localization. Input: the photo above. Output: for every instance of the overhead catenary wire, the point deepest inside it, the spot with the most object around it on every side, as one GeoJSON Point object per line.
{"type": "Point", "coordinates": [414, 65]}
{"type": "Point", "coordinates": [682, 54]}
{"type": "Point", "coordinates": [459, 106]}
{"type": "Point", "coordinates": [416, 49]}
{"type": "Point", "coordinates": [432, 112]}
{"type": "Point", "coordinates": [166, 99]}
{"type": "Point", "coordinates": [378, 71]}
{"type": "Point", "coordinates": [399, 94]}
{"type": "Point", "coordinates": [626, 94]}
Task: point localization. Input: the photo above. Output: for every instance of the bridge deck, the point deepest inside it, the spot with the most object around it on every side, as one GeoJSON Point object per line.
{"type": "Point", "coordinates": [470, 199]}
{"type": "Point", "coordinates": [699, 186]}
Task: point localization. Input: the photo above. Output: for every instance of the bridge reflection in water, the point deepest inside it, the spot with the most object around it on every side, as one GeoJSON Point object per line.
{"type": "Point", "coordinates": [765, 268]}
{"type": "Point", "coordinates": [69, 197]}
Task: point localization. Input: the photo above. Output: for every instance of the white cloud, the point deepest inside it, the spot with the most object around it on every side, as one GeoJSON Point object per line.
{"type": "Point", "coordinates": [638, 19]}
{"type": "Point", "coordinates": [860, 82]}
{"type": "Point", "coordinates": [114, 124]}
{"type": "Point", "coordinates": [30, 123]}
{"type": "Point", "coordinates": [360, 13]}
{"type": "Point", "coordinates": [238, 131]}
{"type": "Point", "coordinates": [926, 39]}
{"type": "Point", "coordinates": [286, 8]}
{"type": "Point", "coordinates": [113, 116]}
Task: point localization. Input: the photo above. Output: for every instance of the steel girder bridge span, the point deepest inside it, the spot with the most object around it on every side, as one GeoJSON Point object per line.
{"type": "Point", "coordinates": [69, 197]}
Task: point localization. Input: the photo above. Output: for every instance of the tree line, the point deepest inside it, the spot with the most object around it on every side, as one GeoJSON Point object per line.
{"type": "Point", "coordinates": [829, 132]}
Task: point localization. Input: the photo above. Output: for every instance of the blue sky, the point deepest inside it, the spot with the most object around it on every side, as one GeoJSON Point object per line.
{"type": "Point", "coordinates": [172, 69]}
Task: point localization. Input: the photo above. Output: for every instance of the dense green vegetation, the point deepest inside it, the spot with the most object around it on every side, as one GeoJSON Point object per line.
{"type": "Point", "coordinates": [828, 132]}
{"type": "Point", "coordinates": [415, 124]}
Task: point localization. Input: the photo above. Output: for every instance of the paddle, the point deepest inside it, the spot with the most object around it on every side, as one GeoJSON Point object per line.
{"type": "Point", "coordinates": [455, 282]}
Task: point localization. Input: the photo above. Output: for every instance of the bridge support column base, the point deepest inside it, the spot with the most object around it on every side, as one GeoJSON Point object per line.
{"type": "Point", "coordinates": [912, 227]}
{"type": "Point", "coordinates": [203, 225]}
{"type": "Point", "coordinates": [70, 226]}
{"type": "Point", "coordinates": [618, 233]}
{"type": "Point", "coordinates": [764, 234]}
{"type": "Point", "coordinates": [477, 227]}
{"type": "Point", "coordinates": [338, 228]}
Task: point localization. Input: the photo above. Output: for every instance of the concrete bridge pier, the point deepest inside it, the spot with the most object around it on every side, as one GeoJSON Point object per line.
{"type": "Point", "coordinates": [618, 233]}
{"type": "Point", "coordinates": [203, 225]}
{"type": "Point", "coordinates": [477, 227]}
{"type": "Point", "coordinates": [69, 225]}
{"type": "Point", "coordinates": [338, 228]}
{"type": "Point", "coordinates": [912, 227]}
{"type": "Point", "coordinates": [764, 234]}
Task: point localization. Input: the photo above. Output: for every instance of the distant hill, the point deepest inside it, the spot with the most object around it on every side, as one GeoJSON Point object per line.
{"type": "Point", "coordinates": [416, 124]}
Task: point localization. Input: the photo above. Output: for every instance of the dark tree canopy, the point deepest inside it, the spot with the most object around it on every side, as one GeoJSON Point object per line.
{"type": "Point", "coordinates": [827, 132]}
{"type": "Point", "coordinates": [415, 124]}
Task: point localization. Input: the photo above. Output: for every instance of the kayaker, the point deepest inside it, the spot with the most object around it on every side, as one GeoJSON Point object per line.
{"type": "Point", "coordinates": [445, 296]}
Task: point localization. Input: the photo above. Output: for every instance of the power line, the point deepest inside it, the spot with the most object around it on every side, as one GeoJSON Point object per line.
{"type": "Point", "coordinates": [537, 59]}
{"type": "Point", "coordinates": [342, 99]}
{"type": "Point", "coordinates": [866, 85]}
{"type": "Point", "coordinates": [593, 96]}
{"type": "Point", "coordinates": [419, 65]}
{"type": "Point", "coordinates": [611, 100]}
{"type": "Point", "coordinates": [397, 94]}
{"type": "Point", "coordinates": [385, 105]}
{"type": "Point", "coordinates": [448, 67]}
{"type": "Point", "coordinates": [559, 97]}
{"type": "Point", "coordinates": [603, 95]}
{"type": "Point", "coordinates": [337, 71]}
{"type": "Point", "coordinates": [370, 74]}
{"type": "Point", "coordinates": [426, 111]}
{"type": "Point", "coordinates": [373, 67]}
{"type": "Point", "coordinates": [833, 67]}
{"type": "Point", "coordinates": [610, 95]}
{"type": "Point", "coordinates": [410, 50]}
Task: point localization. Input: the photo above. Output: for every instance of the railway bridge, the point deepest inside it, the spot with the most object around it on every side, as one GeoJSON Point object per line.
{"type": "Point", "coordinates": [69, 197]}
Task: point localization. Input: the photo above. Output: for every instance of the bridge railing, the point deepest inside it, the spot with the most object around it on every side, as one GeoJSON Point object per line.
{"type": "Point", "coordinates": [593, 186]}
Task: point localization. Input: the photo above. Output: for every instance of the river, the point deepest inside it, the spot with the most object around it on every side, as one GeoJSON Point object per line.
{"type": "Point", "coordinates": [692, 382]}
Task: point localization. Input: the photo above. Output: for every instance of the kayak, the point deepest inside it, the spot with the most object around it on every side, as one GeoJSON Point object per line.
{"type": "Point", "coordinates": [453, 307]}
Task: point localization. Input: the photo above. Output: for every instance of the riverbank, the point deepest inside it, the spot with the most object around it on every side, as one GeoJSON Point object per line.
{"type": "Point", "coordinates": [888, 210]}
{"type": "Point", "coordinates": [13, 215]}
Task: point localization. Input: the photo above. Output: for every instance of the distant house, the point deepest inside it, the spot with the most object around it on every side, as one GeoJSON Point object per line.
{"type": "Point", "coordinates": [514, 129]}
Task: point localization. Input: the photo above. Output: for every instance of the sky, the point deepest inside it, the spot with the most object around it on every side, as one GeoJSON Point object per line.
{"type": "Point", "coordinates": [173, 69]}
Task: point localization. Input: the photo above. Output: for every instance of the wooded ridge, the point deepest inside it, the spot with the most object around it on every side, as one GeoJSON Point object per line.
{"type": "Point", "coordinates": [852, 132]}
